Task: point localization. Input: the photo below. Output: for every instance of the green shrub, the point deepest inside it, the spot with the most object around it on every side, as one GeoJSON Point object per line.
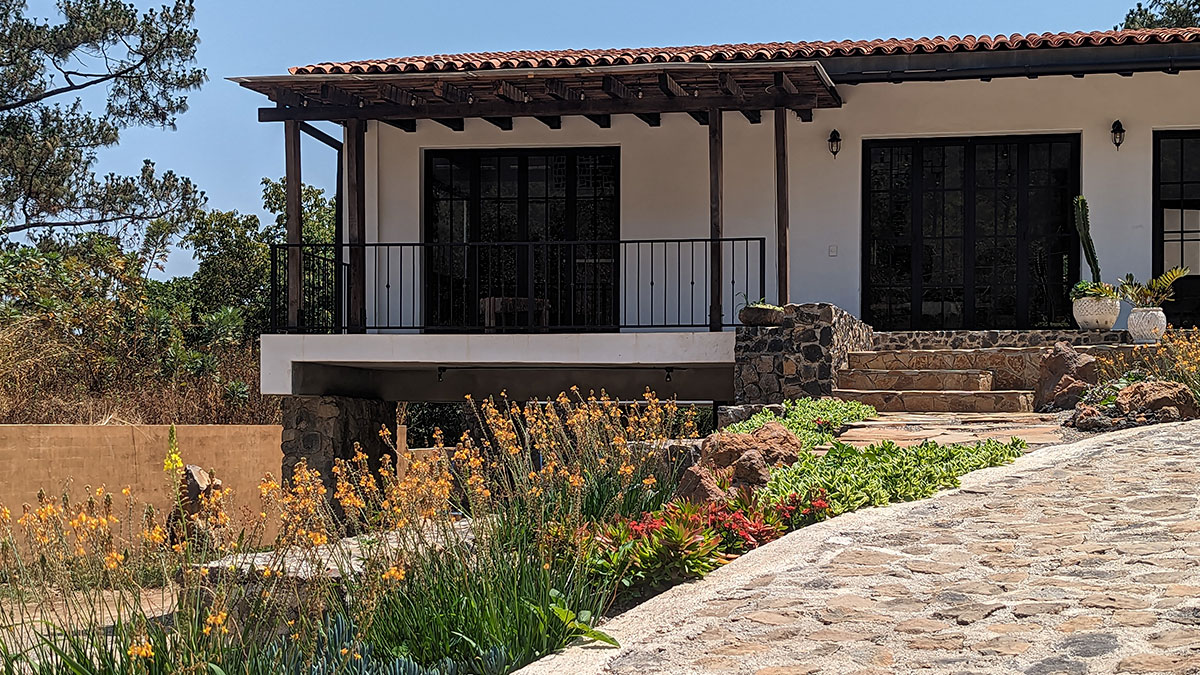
{"type": "Point", "coordinates": [854, 478]}
{"type": "Point", "coordinates": [813, 421]}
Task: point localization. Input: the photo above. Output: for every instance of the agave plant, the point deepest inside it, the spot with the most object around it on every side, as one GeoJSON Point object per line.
{"type": "Point", "coordinates": [1154, 292]}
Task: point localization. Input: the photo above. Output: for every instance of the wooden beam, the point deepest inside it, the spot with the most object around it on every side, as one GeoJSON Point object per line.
{"type": "Point", "coordinates": [321, 136]}
{"type": "Point", "coordinates": [288, 98]}
{"type": "Point", "coordinates": [784, 84]}
{"type": "Point", "coordinates": [390, 92]}
{"type": "Point", "coordinates": [805, 114]}
{"type": "Point", "coordinates": [338, 96]}
{"type": "Point", "coordinates": [403, 125]}
{"type": "Point", "coordinates": [294, 223]}
{"type": "Point", "coordinates": [651, 119]}
{"type": "Point", "coordinates": [782, 221]}
{"type": "Point", "coordinates": [602, 121]}
{"type": "Point", "coordinates": [752, 116]}
{"type": "Point", "coordinates": [556, 89]}
{"type": "Point", "coordinates": [452, 93]}
{"type": "Point", "coordinates": [552, 121]}
{"type": "Point", "coordinates": [503, 123]}
{"type": "Point", "coordinates": [715, 218]}
{"type": "Point", "coordinates": [616, 88]}
{"type": "Point", "coordinates": [669, 86]}
{"type": "Point", "coordinates": [508, 91]}
{"type": "Point", "coordinates": [701, 116]}
{"type": "Point", "coordinates": [728, 84]}
{"type": "Point", "coordinates": [451, 123]}
{"type": "Point", "coordinates": [765, 101]}
{"type": "Point", "coordinates": [356, 224]}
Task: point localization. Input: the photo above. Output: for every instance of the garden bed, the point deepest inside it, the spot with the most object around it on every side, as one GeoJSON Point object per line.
{"type": "Point", "coordinates": [571, 512]}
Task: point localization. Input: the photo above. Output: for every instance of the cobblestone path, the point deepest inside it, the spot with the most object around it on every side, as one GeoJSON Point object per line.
{"type": "Point", "coordinates": [1080, 558]}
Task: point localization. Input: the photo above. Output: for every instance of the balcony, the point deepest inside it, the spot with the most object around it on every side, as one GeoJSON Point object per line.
{"type": "Point", "coordinates": [515, 287]}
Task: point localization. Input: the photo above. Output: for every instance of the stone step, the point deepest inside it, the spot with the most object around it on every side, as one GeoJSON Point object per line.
{"type": "Point", "coordinates": [1011, 367]}
{"type": "Point", "coordinates": [941, 401]}
{"type": "Point", "coordinates": [915, 380]}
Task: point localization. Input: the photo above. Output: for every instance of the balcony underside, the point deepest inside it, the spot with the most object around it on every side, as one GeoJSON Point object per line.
{"type": "Point", "coordinates": [420, 367]}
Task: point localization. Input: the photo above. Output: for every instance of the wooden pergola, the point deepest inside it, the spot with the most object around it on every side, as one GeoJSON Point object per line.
{"type": "Point", "coordinates": [704, 91]}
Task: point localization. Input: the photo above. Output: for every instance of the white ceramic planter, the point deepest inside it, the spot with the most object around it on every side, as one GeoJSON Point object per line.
{"type": "Point", "coordinates": [1147, 324]}
{"type": "Point", "coordinates": [1096, 313]}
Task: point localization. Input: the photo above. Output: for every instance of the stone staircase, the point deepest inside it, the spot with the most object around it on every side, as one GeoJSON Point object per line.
{"type": "Point", "coordinates": [936, 372]}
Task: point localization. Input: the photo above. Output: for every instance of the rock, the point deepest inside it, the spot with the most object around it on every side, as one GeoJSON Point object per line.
{"type": "Point", "coordinates": [1068, 393]}
{"type": "Point", "coordinates": [775, 443]}
{"type": "Point", "coordinates": [1089, 418]}
{"type": "Point", "coordinates": [1146, 397]}
{"type": "Point", "coordinates": [1060, 363]}
{"type": "Point", "coordinates": [698, 484]}
{"type": "Point", "coordinates": [751, 468]}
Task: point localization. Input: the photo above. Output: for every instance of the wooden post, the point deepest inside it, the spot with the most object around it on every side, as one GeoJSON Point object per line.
{"type": "Point", "coordinates": [715, 211]}
{"type": "Point", "coordinates": [355, 209]}
{"type": "Point", "coordinates": [294, 222]}
{"type": "Point", "coordinates": [781, 204]}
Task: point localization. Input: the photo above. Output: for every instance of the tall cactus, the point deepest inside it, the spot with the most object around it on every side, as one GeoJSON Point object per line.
{"type": "Point", "coordinates": [1083, 224]}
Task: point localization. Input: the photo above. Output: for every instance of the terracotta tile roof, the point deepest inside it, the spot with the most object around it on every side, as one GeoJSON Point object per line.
{"type": "Point", "coordinates": [747, 52]}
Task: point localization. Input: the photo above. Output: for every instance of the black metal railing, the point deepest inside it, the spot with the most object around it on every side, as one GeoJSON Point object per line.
{"type": "Point", "coordinates": [557, 286]}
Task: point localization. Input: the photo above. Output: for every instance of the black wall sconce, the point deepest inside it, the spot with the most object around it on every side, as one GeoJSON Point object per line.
{"type": "Point", "coordinates": [835, 143]}
{"type": "Point", "coordinates": [1118, 134]}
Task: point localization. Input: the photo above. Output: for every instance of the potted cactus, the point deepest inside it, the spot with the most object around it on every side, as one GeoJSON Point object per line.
{"type": "Point", "coordinates": [1147, 322]}
{"type": "Point", "coordinates": [1095, 304]}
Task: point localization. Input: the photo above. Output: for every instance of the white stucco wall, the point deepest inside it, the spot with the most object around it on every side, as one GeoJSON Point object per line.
{"type": "Point", "coordinates": [664, 179]}
{"type": "Point", "coordinates": [826, 193]}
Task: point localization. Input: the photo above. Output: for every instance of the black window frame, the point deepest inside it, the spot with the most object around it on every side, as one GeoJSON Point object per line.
{"type": "Point", "coordinates": [1185, 309]}
{"type": "Point", "coordinates": [970, 143]}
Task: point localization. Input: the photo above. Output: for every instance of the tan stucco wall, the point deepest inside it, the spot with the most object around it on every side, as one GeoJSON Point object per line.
{"type": "Point", "coordinates": [47, 456]}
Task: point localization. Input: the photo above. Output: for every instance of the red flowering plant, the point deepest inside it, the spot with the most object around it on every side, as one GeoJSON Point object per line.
{"type": "Point", "coordinates": [742, 523]}
{"type": "Point", "coordinates": [797, 510]}
{"type": "Point", "coordinates": [658, 548]}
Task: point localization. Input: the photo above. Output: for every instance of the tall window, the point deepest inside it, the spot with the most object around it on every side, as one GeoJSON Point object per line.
{"type": "Point", "coordinates": [969, 232]}
{"type": "Point", "coordinates": [522, 238]}
{"type": "Point", "coordinates": [1177, 218]}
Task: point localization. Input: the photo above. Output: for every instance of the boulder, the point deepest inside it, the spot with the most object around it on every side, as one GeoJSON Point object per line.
{"type": "Point", "coordinates": [773, 441]}
{"type": "Point", "coordinates": [1089, 418]}
{"type": "Point", "coordinates": [699, 484]}
{"type": "Point", "coordinates": [1068, 393]}
{"type": "Point", "coordinates": [751, 468]}
{"type": "Point", "coordinates": [1058, 363]}
{"type": "Point", "coordinates": [1153, 396]}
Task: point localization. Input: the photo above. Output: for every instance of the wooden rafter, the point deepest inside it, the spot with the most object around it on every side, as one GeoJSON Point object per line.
{"type": "Point", "coordinates": [502, 123]}
{"type": "Point", "coordinates": [729, 84]}
{"type": "Point", "coordinates": [403, 125]}
{"type": "Point", "coordinates": [669, 86]}
{"type": "Point", "coordinates": [339, 96]}
{"type": "Point", "coordinates": [701, 116]}
{"type": "Point", "coordinates": [602, 121]}
{"type": "Point", "coordinates": [805, 114]}
{"type": "Point", "coordinates": [615, 88]}
{"type": "Point", "coordinates": [552, 121]}
{"type": "Point", "coordinates": [557, 90]}
{"type": "Point", "coordinates": [451, 123]}
{"type": "Point", "coordinates": [507, 91]}
{"type": "Point", "coordinates": [784, 84]}
{"type": "Point", "coordinates": [452, 93]}
{"type": "Point", "coordinates": [390, 92]}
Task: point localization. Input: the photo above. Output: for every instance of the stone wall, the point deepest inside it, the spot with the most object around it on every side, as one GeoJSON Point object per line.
{"type": "Point", "coordinates": [979, 339]}
{"type": "Point", "coordinates": [321, 429]}
{"type": "Point", "coordinates": [798, 358]}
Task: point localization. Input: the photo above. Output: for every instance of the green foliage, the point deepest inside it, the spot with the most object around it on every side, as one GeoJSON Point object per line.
{"type": "Point", "coordinates": [140, 64]}
{"type": "Point", "coordinates": [853, 478]}
{"type": "Point", "coordinates": [1153, 293]}
{"type": "Point", "coordinates": [1163, 14]}
{"type": "Point", "coordinates": [813, 421]}
{"type": "Point", "coordinates": [1093, 289]}
{"type": "Point", "coordinates": [659, 548]}
{"type": "Point", "coordinates": [1083, 224]}
{"type": "Point", "coordinates": [761, 302]}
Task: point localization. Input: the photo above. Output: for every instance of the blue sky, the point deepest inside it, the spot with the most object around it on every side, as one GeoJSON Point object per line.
{"type": "Point", "coordinates": [221, 146]}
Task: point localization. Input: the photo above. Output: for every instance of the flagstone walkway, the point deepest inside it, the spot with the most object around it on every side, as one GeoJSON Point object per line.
{"type": "Point", "coordinates": [1078, 558]}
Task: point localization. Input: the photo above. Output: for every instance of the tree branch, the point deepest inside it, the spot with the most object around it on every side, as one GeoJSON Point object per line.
{"type": "Point", "coordinates": [50, 93]}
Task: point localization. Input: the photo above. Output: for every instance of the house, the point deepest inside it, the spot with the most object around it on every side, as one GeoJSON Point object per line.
{"type": "Point", "coordinates": [533, 220]}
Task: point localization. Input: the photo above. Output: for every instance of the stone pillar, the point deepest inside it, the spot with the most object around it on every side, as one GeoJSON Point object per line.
{"type": "Point", "coordinates": [800, 357]}
{"type": "Point", "coordinates": [321, 429]}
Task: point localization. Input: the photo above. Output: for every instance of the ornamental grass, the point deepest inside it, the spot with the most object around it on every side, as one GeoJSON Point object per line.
{"type": "Point", "coordinates": [478, 558]}
{"type": "Point", "coordinates": [1175, 358]}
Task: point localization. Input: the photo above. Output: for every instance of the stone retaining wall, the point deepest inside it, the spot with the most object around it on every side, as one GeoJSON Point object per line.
{"type": "Point", "coordinates": [798, 358]}
{"type": "Point", "coordinates": [980, 339]}
{"type": "Point", "coordinates": [321, 429]}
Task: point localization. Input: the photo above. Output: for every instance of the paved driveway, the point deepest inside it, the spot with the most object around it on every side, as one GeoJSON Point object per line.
{"type": "Point", "coordinates": [1080, 558]}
